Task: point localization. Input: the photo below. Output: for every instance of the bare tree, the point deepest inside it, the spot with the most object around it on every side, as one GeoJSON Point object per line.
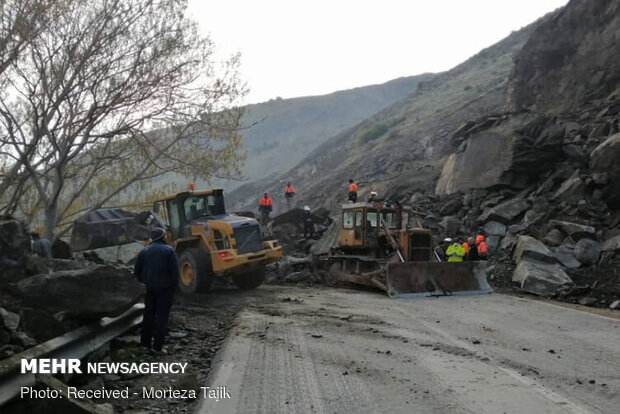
{"type": "Point", "coordinates": [111, 93]}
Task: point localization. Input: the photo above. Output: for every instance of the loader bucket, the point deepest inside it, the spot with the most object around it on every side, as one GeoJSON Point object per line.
{"type": "Point", "coordinates": [419, 279]}
{"type": "Point", "coordinates": [107, 227]}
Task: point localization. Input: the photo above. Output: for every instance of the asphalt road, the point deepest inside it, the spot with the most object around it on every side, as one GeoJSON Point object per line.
{"type": "Point", "coordinates": [321, 350]}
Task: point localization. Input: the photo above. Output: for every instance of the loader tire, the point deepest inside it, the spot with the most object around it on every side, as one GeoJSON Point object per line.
{"type": "Point", "coordinates": [195, 271]}
{"type": "Point", "coordinates": [250, 280]}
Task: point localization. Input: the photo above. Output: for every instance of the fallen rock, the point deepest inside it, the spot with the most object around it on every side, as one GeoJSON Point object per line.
{"type": "Point", "coordinates": [328, 239]}
{"type": "Point", "coordinates": [612, 245]}
{"type": "Point", "coordinates": [61, 249]}
{"type": "Point", "coordinates": [574, 230]}
{"type": "Point", "coordinates": [5, 337]}
{"type": "Point", "coordinates": [508, 242]}
{"type": "Point", "coordinates": [604, 159]}
{"type": "Point", "coordinates": [615, 304]}
{"type": "Point", "coordinates": [40, 325]}
{"type": "Point", "coordinates": [529, 247]}
{"type": "Point", "coordinates": [493, 228]}
{"type": "Point", "coordinates": [450, 224]}
{"type": "Point", "coordinates": [452, 206]}
{"type": "Point", "coordinates": [505, 212]}
{"type": "Point", "coordinates": [554, 237]}
{"type": "Point", "coordinates": [532, 218]}
{"type": "Point", "coordinates": [9, 320]}
{"type": "Point", "coordinates": [571, 190]}
{"type": "Point", "coordinates": [587, 251]}
{"type": "Point", "coordinates": [84, 294]}
{"type": "Point", "coordinates": [22, 339]}
{"type": "Point", "coordinates": [493, 243]}
{"type": "Point", "coordinates": [565, 254]}
{"type": "Point", "coordinates": [297, 277]}
{"type": "Point", "coordinates": [14, 249]}
{"type": "Point", "coordinates": [540, 278]}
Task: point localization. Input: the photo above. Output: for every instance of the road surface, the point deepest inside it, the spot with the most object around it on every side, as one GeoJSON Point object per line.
{"type": "Point", "coordinates": [321, 350]}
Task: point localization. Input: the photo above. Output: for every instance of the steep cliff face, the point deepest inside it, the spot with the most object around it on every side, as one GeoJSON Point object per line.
{"type": "Point", "coordinates": [570, 59]}
{"type": "Point", "coordinates": [563, 97]}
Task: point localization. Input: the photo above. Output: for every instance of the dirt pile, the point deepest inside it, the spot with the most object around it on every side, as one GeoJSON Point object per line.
{"type": "Point", "coordinates": [296, 266]}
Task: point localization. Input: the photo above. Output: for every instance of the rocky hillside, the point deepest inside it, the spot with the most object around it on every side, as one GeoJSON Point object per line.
{"type": "Point", "coordinates": [521, 143]}
{"type": "Point", "coordinates": [402, 147]}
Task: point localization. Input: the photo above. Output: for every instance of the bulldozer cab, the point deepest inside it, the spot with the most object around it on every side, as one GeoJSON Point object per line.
{"type": "Point", "coordinates": [178, 211]}
{"type": "Point", "coordinates": [378, 246]}
{"type": "Point", "coordinates": [361, 223]}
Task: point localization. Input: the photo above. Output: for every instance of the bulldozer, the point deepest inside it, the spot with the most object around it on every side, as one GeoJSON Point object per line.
{"type": "Point", "coordinates": [379, 245]}
{"type": "Point", "coordinates": [210, 243]}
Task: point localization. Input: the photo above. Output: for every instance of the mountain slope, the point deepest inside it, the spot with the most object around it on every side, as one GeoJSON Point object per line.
{"type": "Point", "coordinates": [403, 145]}
{"type": "Point", "coordinates": [280, 132]}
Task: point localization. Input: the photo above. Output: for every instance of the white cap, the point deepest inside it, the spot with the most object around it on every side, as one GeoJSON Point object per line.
{"type": "Point", "coordinates": [306, 208]}
{"type": "Point", "coordinates": [448, 240]}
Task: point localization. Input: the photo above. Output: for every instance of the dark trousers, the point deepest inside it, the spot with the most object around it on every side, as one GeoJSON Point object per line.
{"type": "Point", "coordinates": [308, 228]}
{"type": "Point", "coordinates": [157, 304]}
{"type": "Point", "coordinates": [353, 197]}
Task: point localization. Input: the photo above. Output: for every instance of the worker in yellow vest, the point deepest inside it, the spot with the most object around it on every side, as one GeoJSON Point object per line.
{"type": "Point", "coordinates": [455, 252]}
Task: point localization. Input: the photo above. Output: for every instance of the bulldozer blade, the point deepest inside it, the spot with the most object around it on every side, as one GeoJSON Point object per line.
{"type": "Point", "coordinates": [419, 279]}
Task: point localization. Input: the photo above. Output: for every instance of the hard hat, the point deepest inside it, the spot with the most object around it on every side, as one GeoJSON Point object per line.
{"type": "Point", "coordinates": [448, 240]}
{"type": "Point", "coordinates": [374, 193]}
{"type": "Point", "coordinates": [306, 208]}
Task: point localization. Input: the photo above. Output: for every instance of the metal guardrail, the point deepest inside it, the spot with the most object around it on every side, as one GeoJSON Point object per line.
{"type": "Point", "coordinates": [74, 344]}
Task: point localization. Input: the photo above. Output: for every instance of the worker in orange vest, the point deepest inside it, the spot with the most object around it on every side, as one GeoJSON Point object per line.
{"type": "Point", "coordinates": [265, 206]}
{"type": "Point", "coordinates": [483, 251]}
{"type": "Point", "coordinates": [465, 246]}
{"type": "Point", "coordinates": [289, 193]}
{"type": "Point", "coordinates": [352, 191]}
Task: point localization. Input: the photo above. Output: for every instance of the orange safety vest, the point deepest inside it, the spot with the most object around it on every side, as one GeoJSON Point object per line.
{"type": "Point", "coordinates": [265, 201]}
{"type": "Point", "coordinates": [466, 247]}
{"type": "Point", "coordinates": [353, 188]}
{"type": "Point", "coordinates": [289, 189]}
{"type": "Point", "coordinates": [482, 248]}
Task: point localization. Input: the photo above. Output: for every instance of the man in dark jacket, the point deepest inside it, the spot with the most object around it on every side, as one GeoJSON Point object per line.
{"type": "Point", "coordinates": [308, 224]}
{"type": "Point", "coordinates": [157, 267]}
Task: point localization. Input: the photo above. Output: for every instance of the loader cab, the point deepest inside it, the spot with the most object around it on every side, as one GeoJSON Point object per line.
{"type": "Point", "coordinates": [180, 210]}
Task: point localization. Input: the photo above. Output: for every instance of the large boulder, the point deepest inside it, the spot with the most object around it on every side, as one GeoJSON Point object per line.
{"type": "Point", "coordinates": [574, 230]}
{"type": "Point", "coordinates": [14, 250]}
{"type": "Point", "coordinates": [505, 212]}
{"type": "Point", "coordinates": [328, 239]}
{"type": "Point", "coordinates": [61, 249]}
{"type": "Point", "coordinates": [587, 251]}
{"type": "Point", "coordinates": [493, 228]}
{"type": "Point", "coordinates": [84, 294]}
{"type": "Point", "coordinates": [540, 278]}
{"type": "Point", "coordinates": [529, 247]}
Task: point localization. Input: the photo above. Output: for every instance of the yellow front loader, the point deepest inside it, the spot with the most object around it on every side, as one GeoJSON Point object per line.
{"type": "Point", "coordinates": [210, 243]}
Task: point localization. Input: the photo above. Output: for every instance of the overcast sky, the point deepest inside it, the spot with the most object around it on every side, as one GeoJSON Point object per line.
{"type": "Point", "coordinates": [295, 48]}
